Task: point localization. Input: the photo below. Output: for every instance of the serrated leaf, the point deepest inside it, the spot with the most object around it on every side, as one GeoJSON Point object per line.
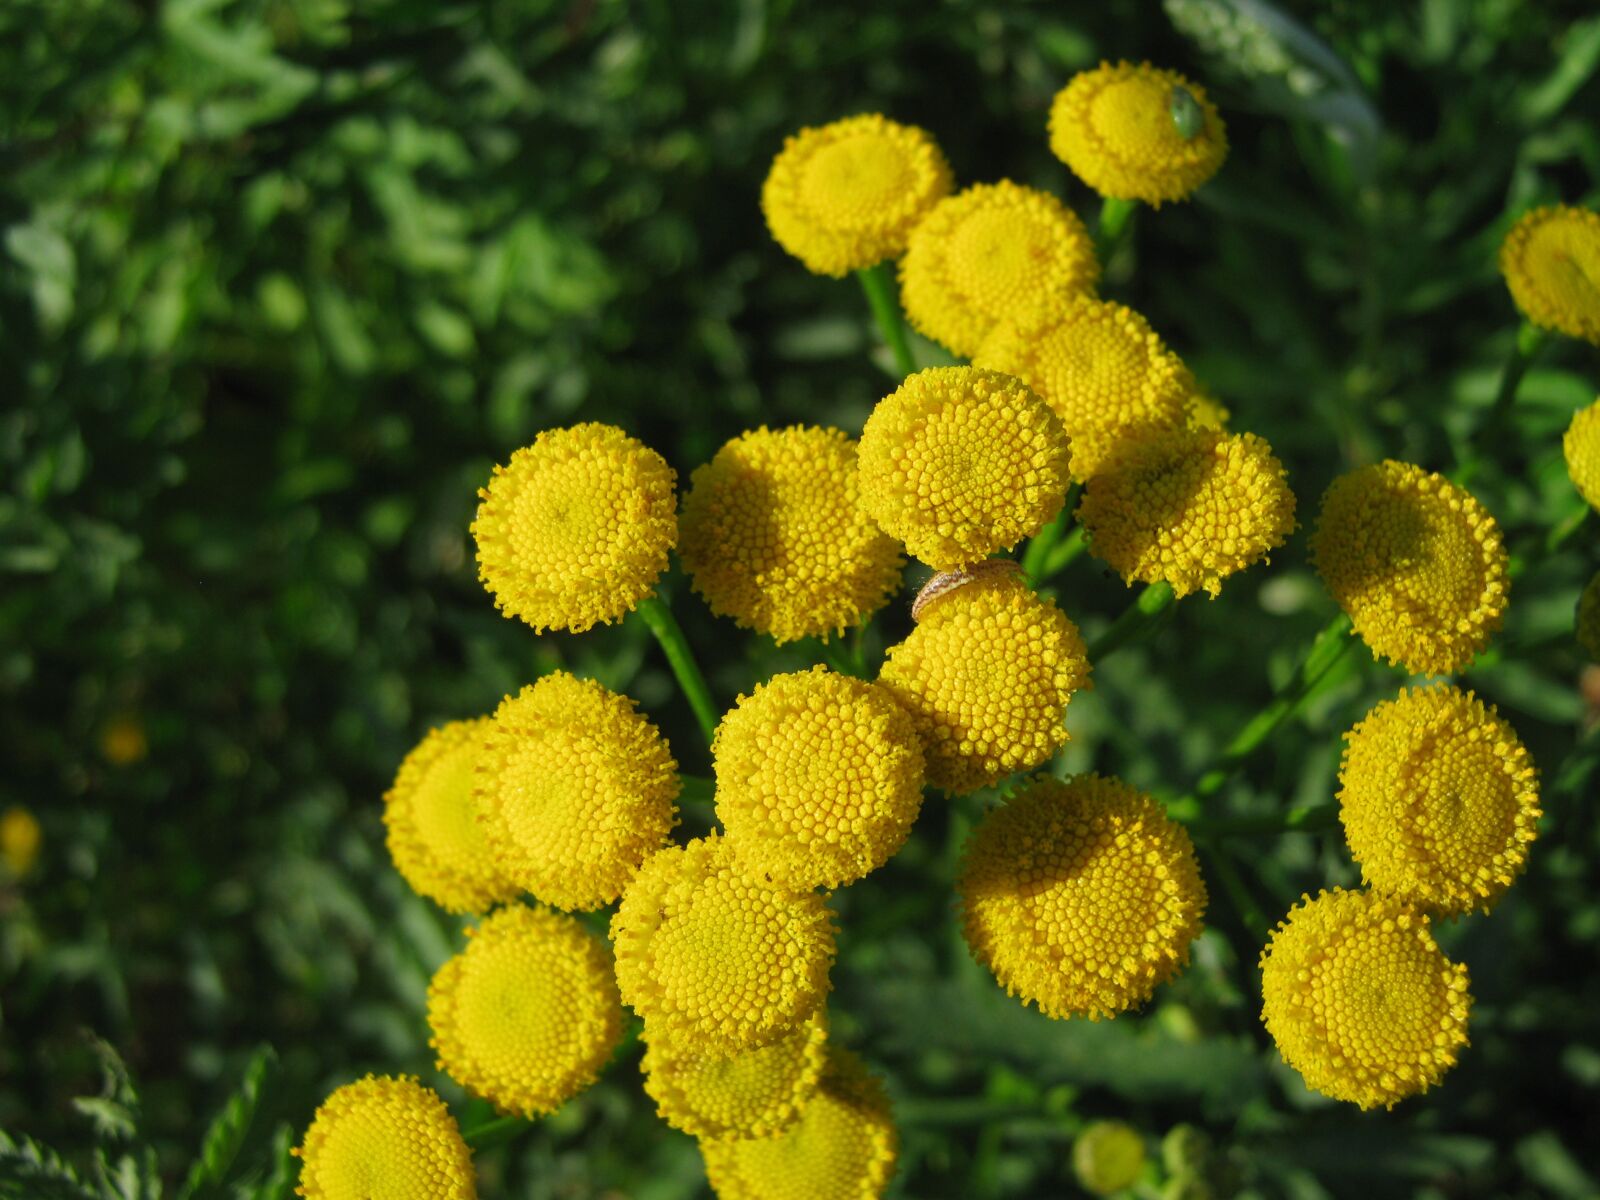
{"type": "Point", "coordinates": [130, 1177]}
{"type": "Point", "coordinates": [229, 1126]}
{"type": "Point", "coordinates": [30, 1171]}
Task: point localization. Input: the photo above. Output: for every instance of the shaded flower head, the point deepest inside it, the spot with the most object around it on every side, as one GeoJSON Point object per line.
{"type": "Point", "coordinates": [1107, 1157]}
{"type": "Point", "coordinates": [1551, 262]}
{"type": "Point", "coordinates": [389, 1137]}
{"type": "Point", "coordinates": [1581, 447]}
{"type": "Point", "coordinates": [20, 838]}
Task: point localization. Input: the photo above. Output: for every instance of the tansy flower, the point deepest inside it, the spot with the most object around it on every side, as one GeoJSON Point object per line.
{"type": "Point", "coordinates": [575, 789]}
{"type": "Point", "coordinates": [1439, 800]}
{"type": "Point", "coordinates": [1101, 369]}
{"type": "Point", "coordinates": [755, 1094]}
{"type": "Point", "coordinates": [1107, 1157]}
{"type": "Point", "coordinates": [1206, 411]}
{"type": "Point", "coordinates": [715, 960]}
{"type": "Point", "coordinates": [1360, 1000]}
{"type": "Point", "coordinates": [774, 535]}
{"type": "Point", "coordinates": [528, 1014]}
{"type": "Point", "coordinates": [819, 777]}
{"type": "Point", "coordinates": [1081, 896]}
{"type": "Point", "coordinates": [1588, 623]}
{"type": "Point", "coordinates": [986, 676]}
{"type": "Point", "coordinates": [434, 836]}
{"type": "Point", "coordinates": [1188, 506]}
{"type": "Point", "coordinates": [845, 196]}
{"type": "Point", "coordinates": [843, 1147]}
{"type": "Point", "coordinates": [385, 1137]}
{"type": "Point", "coordinates": [20, 837]}
{"type": "Point", "coordinates": [960, 462]}
{"type": "Point", "coordinates": [1137, 133]}
{"type": "Point", "coordinates": [1415, 561]}
{"type": "Point", "coordinates": [994, 252]}
{"type": "Point", "coordinates": [1551, 261]}
{"type": "Point", "coordinates": [1581, 446]}
{"type": "Point", "coordinates": [576, 528]}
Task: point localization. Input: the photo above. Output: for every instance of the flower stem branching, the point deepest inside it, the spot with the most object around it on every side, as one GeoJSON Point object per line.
{"type": "Point", "coordinates": [654, 612]}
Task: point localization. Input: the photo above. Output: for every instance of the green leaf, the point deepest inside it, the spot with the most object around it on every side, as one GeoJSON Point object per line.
{"type": "Point", "coordinates": [29, 1171]}
{"type": "Point", "coordinates": [229, 1126]}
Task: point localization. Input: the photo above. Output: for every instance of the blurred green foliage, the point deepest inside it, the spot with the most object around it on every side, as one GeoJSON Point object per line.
{"type": "Point", "coordinates": [282, 278]}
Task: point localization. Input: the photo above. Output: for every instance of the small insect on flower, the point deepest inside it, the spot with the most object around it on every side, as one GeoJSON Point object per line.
{"type": "Point", "coordinates": [1551, 263]}
{"type": "Point", "coordinates": [385, 1137]}
{"type": "Point", "coordinates": [1581, 447]}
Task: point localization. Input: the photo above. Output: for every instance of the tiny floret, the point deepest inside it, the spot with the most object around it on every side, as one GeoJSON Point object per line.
{"type": "Point", "coordinates": [819, 778]}
{"type": "Point", "coordinates": [994, 252]}
{"type": "Point", "coordinates": [1190, 507]}
{"type": "Point", "coordinates": [960, 462]}
{"type": "Point", "coordinates": [1551, 261]}
{"type": "Point", "coordinates": [575, 788]}
{"type": "Point", "coordinates": [1360, 999]}
{"type": "Point", "coordinates": [385, 1137]}
{"type": "Point", "coordinates": [1082, 896]}
{"type": "Point", "coordinates": [1137, 132]}
{"type": "Point", "coordinates": [846, 196]}
{"type": "Point", "coordinates": [528, 1014]}
{"type": "Point", "coordinates": [1416, 562]}
{"type": "Point", "coordinates": [1440, 801]}
{"type": "Point", "coordinates": [1581, 446]}
{"type": "Point", "coordinates": [715, 959]}
{"type": "Point", "coordinates": [775, 535]}
{"type": "Point", "coordinates": [576, 529]}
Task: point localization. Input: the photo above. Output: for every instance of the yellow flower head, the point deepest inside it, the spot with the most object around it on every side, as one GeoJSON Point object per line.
{"type": "Point", "coordinates": [1188, 506]}
{"type": "Point", "coordinates": [528, 1014]}
{"type": "Point", "coordinates": [986, 676]}
{"type": "Point", "coordinates": [755, 1094]}
{"type": "Point", "coordinates": [1206, 411]}
{"type": "Point", "coordinates": [1415, 561]}
{"type": "Point", "coordinates": [774, 535]}
{"type": "Point", "coordinates": [576, 528]}
{"type": "Point", "coordinates": [435, 838]}
{"type": "Point", "coordinates": [1107, 1157]}
{"type": "Point", "coordinates": [1101, 369]}
{"type": "Point", "coordinates": [1440, 800]}
{"type": "Point", "coordinates": [994, 252]}
{"type": "Point", "coordinates": [960, 462]}
{"type": "Point", "coordinates": [715, 960]}
{"type": "Point", "coordinates": [819, 778]}
{"type": "Point", "coordinates": [388, 1137]}
{"type": "Point", "coordinates": [845, 196]}
{"type": "Point", "coordinates": [20, 837]}
{"type": "Point", "coordinates": [1080, 895]}
{"type": "Point", "coordinates": [1360, 999]}
{"type": "Point", "coordinates": [1551, 261]}
{"type": "Point", "coordinates": [575, 789]}
{"type": "Point", "coordinates": [843, 1147]}
{"type": "Point", "coordinates": [1588, 624]}
{"type": "Point", "coordinates": [1581, 445]}
{"type": "Point", "coordinates": [1137, 133]}
{"type": "Point", "coordinates": [123, 741]}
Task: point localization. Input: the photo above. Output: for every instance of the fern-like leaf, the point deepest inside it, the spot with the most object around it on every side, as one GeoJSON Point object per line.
{"type": "Point", "coordinates": [228, 1128]}
{"type": "Point", "coordinates": [29, 1171]}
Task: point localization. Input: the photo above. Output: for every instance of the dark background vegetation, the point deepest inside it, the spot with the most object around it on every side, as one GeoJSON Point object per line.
{"type": "Point", "coordinates": [281, 279]}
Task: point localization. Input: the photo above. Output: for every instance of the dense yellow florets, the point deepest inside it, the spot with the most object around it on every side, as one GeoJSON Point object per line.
{"type": "Point", "coordinates": [385, 1137]}
{"type": "Point", "coordinates": [960, 462]}
{"type": "Point", "coordinates": [843, 1147]}
{"type": "Point", "coordinates": [1101, 369]}
{"type": "Point", "coordinates": [575, 789]}
{"type": "Point", "coordinates": [714, 959]}
{"type": "Point", "coordinates": [1107, 1157]}
{"type": "Point", "coordinates": [986, 676]}
{"type": "Point", "coordinates": [1081, 896]}
{"type": "Point", "coordinates": [994, 252]}
{"type": "Point", "coordinates": [1190, 507]}
{"type": "Point", "coordinates": [1581, 446]}
{"type": "Point", "coordinates": [528, 1014]}
{"type": "Point", "coordinates": [1588, 621]}
{"type": "Point", "coordinates": [845, 196]}
{"type": "Point", "coordinates": [435, 838]}
{"type": "Point", "coordinates": [819, 778]}
{"type": "Point", "coordinates": [1416, 562]}
{"type": "Point", "coordinates": [755, 1094]}
{"type": "Point", "coordinates": [775, 536]}
{"type": "Point", "coordinates": [1551, 261]}
{"type": "Point", "coordinates": [1206, 411]}
{"type": "Point", "coordinates": [1361, 1000]}
{"type": "Point", "coordinates": [576, 529]}
{"type": "Point", "coordinates": [1439, 800]}
{"type": "Point", "coordinates": [1122, 130]}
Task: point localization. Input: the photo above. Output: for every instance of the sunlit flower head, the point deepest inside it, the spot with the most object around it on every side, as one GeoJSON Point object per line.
{"type": "Point", "coordinates": [1551, 261]}
{"type": "Point", "coordinates": [993, 252]}
{"type": "Point", "coordinates": [1588, 622]}
{"type": "Point", "coordinates": [385, 1137]}
{"type": "Point", "coordinates": [576, 529]}
{"type": "Point", "coordinates": [575, 788]}
{"type": "Point", "coordinates": [1080, 895]}
{"type": "Point", "coordinates": [528, 1014]}
{"type": "Point", "coordinates": [1190, 507]}
{"type": "Point", "coordinates": [1581, 446]}
{"type": "Point", "coordinates": [846, 195]}
{"type": "Point", "coordinates": [1107, 1157]}
{"type": "Point", "coordinates": [1360, 999]}
{"type": "Point", "coordinates": [20, 838]}
{"type": "Point", "coordinates": [960, 462]}
{"type": "Point", "coordinates": [1416, 562]}
{"type": "Point", "coordinates": [775, 535]}
{"type": "Point", "coordinates": [1206, 411]}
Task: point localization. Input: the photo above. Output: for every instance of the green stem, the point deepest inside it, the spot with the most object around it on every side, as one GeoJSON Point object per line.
{"type": "Point", "coordinates": [1070, 548]}
{"type": "Point", "coordinates": [1036, 556]}
{"type": "Point", "coordinates": [1307, 818]}
{"type": "Point", "coordinates": [492, 1133]}
{"type": "Point", "coordinates": [696, 789]}
{"type": "Point", "coordinates": [1529, 341]}
{"type": "Point", "coordinates": [1136, 620]}
{"type": "Point", "coordinates": [1114, 217]}
{"type": "Point", "coordinates": [878, 283]}
{"type": "Point", "coordinates": [1558, 535]}
{"type": "Point", "coordinates": [655, 613]}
